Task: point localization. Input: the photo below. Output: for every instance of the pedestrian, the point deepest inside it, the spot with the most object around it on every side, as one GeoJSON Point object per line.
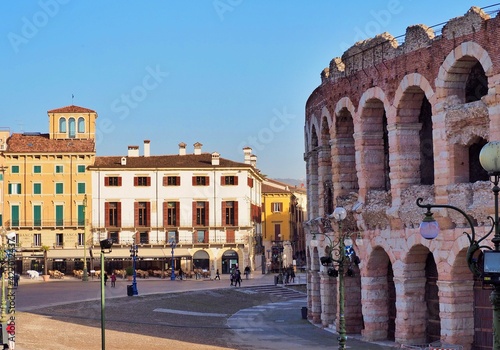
{"type": "Point", "coordinates": [113, 280]}
{"type": "Point", "coordinates": [105, 278]}
{"type": "Point", "coordinates": [16, 279]}
{"type": "Point", "coordinates": [237, 278]}
{"type": "Point", "coordinates": [232, 275]}
{"type": "Point", "coordinates": [247, 272]}
{"type": "Point", "coordinates": [180, 273]}
{"type": "Point", "coordinates": [217, 275]}
{"type": "Point", "coordinates": [287, 276]}
{"type": "Point", "coordinates": [292, 275]}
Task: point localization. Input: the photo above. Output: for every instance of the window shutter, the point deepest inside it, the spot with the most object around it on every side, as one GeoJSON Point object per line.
{"type": "Point", "coordinates": [178, 182]}
{"type": "Point", "coordinates": [136, 180]}
{"type": "Point", "coordinates": [177, 213]}
{"type": "Point", "coordinates": [250, 182]}
{"type": "Point", "coordinates": [205, 239]}
{"type": "Point", "coordinates": [106, 216]}
{"type": "Point", "coordinates": [194, 180]}
{"type": "Point", "coordinates": [18, 188]}
{"type": "Point", "coordinates": [10, 189]}
{"type": "Point", "coordinates": [207, 181]}
{"type": "Point", "coordinates": [119, 214]}
{"type": "Point", "coordinates": [119, 181]}
{"type": "Point", "coordinates": [223, 219]}
{"type": "Point", "coordinates": [148, 213]}
{"type": "Point", "coordinates": [136, 214]}
{"type": "Point", "coordinates": [236, 180]}
{"type": "Point", "coordinates": [165, 180]}
{"type": "Point", "coordinates": [148, 181]}
{"type": "Point", "coordinates": [165, 211]}
{"type": "Point", "coordinates": [106, 181]}
{"type": "Point", "coordinates": [194, 213]}
{"type": "Point", "coordinates": [222, 180]}
{"type": "Point", "coordinates": [235, 207]}
{"type": "Point", "coordinates": [207, 213]}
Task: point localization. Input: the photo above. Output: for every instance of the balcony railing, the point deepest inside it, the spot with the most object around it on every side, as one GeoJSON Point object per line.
{"type": "Point", "coordinates": [13, 224]}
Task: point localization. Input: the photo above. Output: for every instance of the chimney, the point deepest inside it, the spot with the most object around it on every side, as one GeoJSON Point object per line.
{"type": "Point", "coordinates": [247, 151]}
{"type": "Point", "coordinates": [147, 148]}
{"type": "Point", "coordinates": [253, 160]}
{"type": "Point", "coordinates": [123, 161]}
{"type": "Point", "coordinates": [133, 151]}
{"type": "Point", "coordinates": [182, 149]}
{"type": "Point", "coordinates": [215, 158]}
{"type": "Point", "coordinates": [197, 148]}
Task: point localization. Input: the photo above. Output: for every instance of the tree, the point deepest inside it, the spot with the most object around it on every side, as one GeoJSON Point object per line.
{"type": "Point", "coordinates": [45, 250]}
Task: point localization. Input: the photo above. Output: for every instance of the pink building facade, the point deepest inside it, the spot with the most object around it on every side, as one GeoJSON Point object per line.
{"type": "Point", "coordinates": [391, 122]}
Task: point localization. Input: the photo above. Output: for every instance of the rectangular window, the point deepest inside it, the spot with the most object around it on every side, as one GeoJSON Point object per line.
{"type": "Point", "coordinates": [142, 181]}
{"type": "Point", "coordinates": [114, 236]}
{"type": "Point", "coordinates": [112, 214]}
{"type": "Point", "coordinates": [201, 181]}
{"type": "Point", "coordinates": [142, 214]}
{"type": "Point", "coordinates": [143, 237]}
{"type": "Point", "coordinates": [59, 215]}
{"type": "Point", "coordinates": [14, 214]}
{"type": "Point", "coordinates": [15, 169]}
{"type": "Point", "coordinates": [200, 236]}
{"type": "Point", "coordinates": [37, 215]}
{"type": "Point", "coordinates": [229, 213]}
{"type": "Point", "coordinates": [59, 169]}
{"type": "Point", "coordinates": [172, 213]}
{"type": "Point", "coordinates": [59, 240]}
{"type": "Point", "coordinates": [14, 188]}
{"type": "Point", "coordinates": [112, 181]}
{"type": "Point", "coordinates": [200, 213]}
{"type": "Point", "coordinates": [37, 240]}
{"type": "Point", "coordinates": [81, 168]}
{"type": "Point", "coordinates": [171, 181]}
{"type": "Point", "coordinates": [59, 188]}
{"type": "Point", "coordinates": [81, 238]}
{"type": "Point", "coordinates": [172, 236]}
{"type": "Point", "coordinates": [37, 188]}
{"type": "Point", "coordinates": [229, 180]}
{"type": "Point", "coordinates": [276, 207]}
{"type": "Point", "coordinates": [37, 169]}
{"type": "Point", "coordinates": [81, 187]}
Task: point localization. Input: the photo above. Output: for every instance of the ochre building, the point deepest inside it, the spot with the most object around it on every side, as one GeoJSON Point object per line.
{"type": "Point", "coordinates": [394, 120]}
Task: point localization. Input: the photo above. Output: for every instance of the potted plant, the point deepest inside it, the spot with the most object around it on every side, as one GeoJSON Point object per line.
{"type": "Point", "coordinates": [45, 250]}
{"type": "Point", "coordinates": [130, 272]}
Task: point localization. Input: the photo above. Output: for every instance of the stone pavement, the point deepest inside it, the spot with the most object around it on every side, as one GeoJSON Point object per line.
{"type": "Point", "coordinates": [66, 315]}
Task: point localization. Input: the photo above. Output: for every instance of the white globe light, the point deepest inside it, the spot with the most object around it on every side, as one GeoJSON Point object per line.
{"type": "Point", "coordinates": [489, 157]}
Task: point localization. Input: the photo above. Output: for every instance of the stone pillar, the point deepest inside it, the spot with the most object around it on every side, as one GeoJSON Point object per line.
{"type": "Point", "coordinates": [411, 309]}
{"type": "Point", "coordinates": [353, 309]}
{"type": "Point", "coordinates": [456, 310]}
{"type": "Point", "coordinates": [328, 292]}
{"type": "Point", "coordinates": [314, 313]}
{"type": "Point", "coordinates": [375, 311]}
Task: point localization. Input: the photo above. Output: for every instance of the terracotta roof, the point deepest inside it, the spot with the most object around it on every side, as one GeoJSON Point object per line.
{"type": "Point", "coordinates": [71, 109]}
{"type": "Point", "coordinates": [266, 188]}
{"type": "Point", "coordinates": [41, 143]}
{"type": "Point", "coordinates": [201, 161]}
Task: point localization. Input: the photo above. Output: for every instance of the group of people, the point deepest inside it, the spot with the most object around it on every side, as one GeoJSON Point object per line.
{"type": "Point", "coordinates": [289, 275]}
{"type": "Point", "coordinates": [235, 276]}
{"type": "Point", "coordinates": [113, 279]}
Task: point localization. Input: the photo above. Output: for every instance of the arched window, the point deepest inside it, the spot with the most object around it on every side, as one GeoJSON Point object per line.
{"type": "Point", "coordinates": [81, 124]}
{"type": "Point", "coordinates": [72, 127]}
{"type": "Point", "coordinates": [62, 125]}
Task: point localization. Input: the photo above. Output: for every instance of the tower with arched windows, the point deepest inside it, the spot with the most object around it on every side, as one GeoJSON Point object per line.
{"type": "Point", "coordinates": [72, 122]}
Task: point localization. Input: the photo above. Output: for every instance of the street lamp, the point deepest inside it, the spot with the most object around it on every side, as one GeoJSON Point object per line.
{"type": "Point", "coordinates": [106, 244]}
{"type": "Point", "coordinates": [133, 254]}
{"type": "Point", "coordinates": [489, 271]}
{"type": "Point", "coordinates": [173, 244]}
{"type": "Point", "coordinates": [85, 276]}
{"type": "Point", "coordinates": [337, 255]}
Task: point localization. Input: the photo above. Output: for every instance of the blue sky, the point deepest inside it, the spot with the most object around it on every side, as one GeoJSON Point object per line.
{"type": "Point", "coordinates": [226, 73]}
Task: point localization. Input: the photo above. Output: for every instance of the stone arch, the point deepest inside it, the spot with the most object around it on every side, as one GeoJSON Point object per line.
{"type": "Point", "coordinates": [453, 73]}
{"type": "Point", "coordinates": [379, 296]}
{"type": "Point", "coordinates": [326, 194]}
{"type": "Point", "coordinates": [345, 178]}
{"type": "Point", "coordinates": [372, 142]}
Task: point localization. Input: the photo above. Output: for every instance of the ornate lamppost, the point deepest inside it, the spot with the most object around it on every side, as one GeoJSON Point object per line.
{"type": "Point", "coordinates": [133, 254]}
{"type": "Point", "coordinates": [337, 257]}
{"type": "Point", "coordinates": [173, 244]}
{"type": "Point", "coordinates": [85, 276]}
{"type": "Point", "coordinates": [489, 271]}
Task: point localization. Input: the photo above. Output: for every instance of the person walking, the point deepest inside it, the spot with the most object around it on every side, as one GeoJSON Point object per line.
{"type": "Point", "coordinates": [292, 275]}
{"type": "Point", "coordinates": [113, 280]}
{"type": "Point", "coordinates": [247, 272]}
{"type": "Point", "coordinates": [237, 278]}
{"type": "Point", "coordinates": [105, 278]}
{"type": "Point", "coordinates": [217, 275]}
{"type": "Point", "coordinates": [181, 273]}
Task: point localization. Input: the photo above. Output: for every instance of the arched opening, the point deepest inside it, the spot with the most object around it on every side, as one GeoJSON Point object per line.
{"type": "Point", "coordinates": [476, 85]}
{"type": "Point", "coordinates": [72, 127]}
{"type": "Point", "coordinates": [81, 125]}
{"type": "Point", "coordinates": [433, 327]}
{"type": "Point", "coordinates": [62, 125]}
{"type": "Point", "coordinates": [229, 260]}
{"type": "Point", "coordinates": [326, 164]}
{"type": "Point", "coordinates": [201, 260]}
{"type": "Point", "coordinates": [476, 171]}
{"type": "Point", "coordinates": [426, 143]}
{"type": "Point", "coordinates": [344, 154]}
{"type": "Point", "coordinates": [313, 171]}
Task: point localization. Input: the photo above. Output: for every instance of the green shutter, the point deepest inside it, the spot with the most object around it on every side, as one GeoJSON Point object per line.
{"type": "Point", "coordinates": [15, 169]}
{"type": "Point", "coordinates": [14, 214]}
{"type": "Point", "coordinates": [37, 215]}
{"type": "Point", "coordinates": [59, 188]}
{"type": "Point", "coordinates": [59, 215]}
{"type": "Point", "coordinates": [81, 215]}
{"type": "Point", "coordinates": [81, 187]}
{"type": "Point", "coordinates": [37, 169]}
{"type": "Point", "coordinates": [81, 168]}
{"type": "Point", "coordinates": [37, 188]}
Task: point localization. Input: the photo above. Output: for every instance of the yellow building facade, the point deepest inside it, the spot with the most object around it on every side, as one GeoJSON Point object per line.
{"type": "Point", "coordinates": [46, 186]}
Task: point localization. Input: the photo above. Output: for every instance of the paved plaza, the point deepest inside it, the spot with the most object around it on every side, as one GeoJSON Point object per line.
{"type": "Point", "coordinates": [191, 314]}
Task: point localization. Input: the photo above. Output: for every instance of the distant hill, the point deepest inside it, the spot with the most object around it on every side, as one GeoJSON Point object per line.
{"type": "Point", "coordinates": [293, 182]}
